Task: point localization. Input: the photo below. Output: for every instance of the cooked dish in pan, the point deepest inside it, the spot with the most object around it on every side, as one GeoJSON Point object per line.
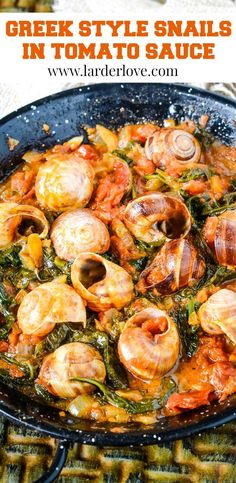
{"type": "Point", "coordinates": [117, 266]}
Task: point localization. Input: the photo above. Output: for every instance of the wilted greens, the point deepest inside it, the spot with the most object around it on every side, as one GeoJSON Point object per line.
{"type": "Point", "coordinates": [132, 407]}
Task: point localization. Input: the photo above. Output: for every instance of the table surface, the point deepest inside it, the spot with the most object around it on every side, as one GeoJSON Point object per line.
{"type": "Point", "coordinates": [206, 458]}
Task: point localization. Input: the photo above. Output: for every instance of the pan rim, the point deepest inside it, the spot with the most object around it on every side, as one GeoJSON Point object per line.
{"type": "Point", "coordinates": [185, 88]}
{"type": "Point", "coordinates": [98, 436]}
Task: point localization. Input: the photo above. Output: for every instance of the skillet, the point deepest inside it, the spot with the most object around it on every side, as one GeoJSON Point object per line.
{"type": "Point", "coordinates": [66, 113]}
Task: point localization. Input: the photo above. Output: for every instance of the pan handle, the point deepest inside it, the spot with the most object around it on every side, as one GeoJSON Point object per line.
{"type": "Point", "coordinates": [57, 464]}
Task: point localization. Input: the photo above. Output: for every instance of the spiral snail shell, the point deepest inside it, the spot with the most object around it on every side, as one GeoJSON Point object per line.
{"type": "Point", "coordinates": [220, 235]}
{"type": "Point", "coordinates": [49, 304]}
{"type": "Point", "coordinates": [11, 217]}
{"type": "Point", "coordinates": [149, 344]}
{"type": "Point", "coordinates": [67, 362]}
{"type": "Point", "coordinates": [101, 283]}
{"type": "Point", "coordinates": [157, 216]}
{"type": "Point", "coordinates": [64, 182]}
{"type": "Point", "coordinates": [175, 266]}
{"type": "Point", "coordinates": [177, 146]}
{"type": "Point", "coordinates": [79, 231]}
{"type": "Point", "coordinates": [218, 314]}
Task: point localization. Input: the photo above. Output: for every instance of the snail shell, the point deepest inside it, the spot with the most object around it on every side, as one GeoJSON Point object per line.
{"type": "Point", "coordinates": [64, 182]}
{"type": "Point", "coordinates": [11, 217]}
{"type": "Point", "coordinates": [175, 146]}
{"type": "Point", "coordinates": [103, 284]}
{"type": "Point", "coordinates": [218, 314]}
{"type": "Point", "coordinates": [67, 362]}
{"type": "Point", "coordinates": [175, 266]}
{"type": "Point", "coordinates": [157, 216]}
{"type": "Point", "coordinates": [47, 305]}
{"type": "Point", "coordinates": [79, 231]}
{"type": "Point", "coordinates": [220, 234]}
{"type": "Point", "coordinates": [149, 344]}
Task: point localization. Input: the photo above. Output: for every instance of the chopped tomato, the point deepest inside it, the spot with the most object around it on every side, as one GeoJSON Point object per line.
{"type": "Point", "coordinates": [155, 327]}
{"type": "Point", "coordinates": [111, 189]}
{"type": "Point", "coordinates": [13, 370]}
{"type": "Point", "coordinates": [87, 152]}
{"type": "Point", "coordinates": [142, 132]}
{"type": "Point", "coordinates": [29, 195]}
{"type": "Point", "coordinates": [203, 120]}
{"type": "Point", "coordinates": [223, 378]}
{"type": "Point", "coordinates": [144, 166]}
{"type": "Point", "coordinates": [213, 349]}
{"type": "Point", "coordinates": [21, 182]}
{"type": "Point", "coordinates": [195, 186]}
{"type": "Point", "coordinates": [3, 346]}
{"type": "Point", "coordinates": [219, 186]}
{"type": "Point", "coordinates": [222, 158]}
{"type": "Point", "coordinates": [195, 373]}
{"type": "Point", "coordinates": [29, 339]}
{"type": "Point", "coordinates": [188, 400]}
{"type": "Point", "coordinates": [14, 335]}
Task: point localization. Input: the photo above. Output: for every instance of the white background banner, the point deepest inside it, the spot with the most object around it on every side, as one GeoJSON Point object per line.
{"type": "Point", "coordinates": [100, 49]}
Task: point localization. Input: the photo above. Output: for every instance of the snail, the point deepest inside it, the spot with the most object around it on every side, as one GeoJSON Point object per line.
{"type": "Point", "coordinates": [175, 266]}
{"type": "Point", "coordinates": [11, 217]}
{"type": "Point", "coordinates": [67, 362]}
{"type": "Point", "coordinates": [64, 182]}
{"type": "Point", "coordinates": [170, 146]}
{"type": "Point", "coordinates": [218, 314]}
{"type": "Point", "coordinates": [102, 283]}
{"type": "Point", "coordinates": [78, 231]}
{"type": "Point", "coordinates": [220, 235]}
{"type": "Point", "coordinates": [155, 217]}
{"type": "Point", "coordinates": [149, 344]}
{"type": "Point", "coordinates": [47, 305]}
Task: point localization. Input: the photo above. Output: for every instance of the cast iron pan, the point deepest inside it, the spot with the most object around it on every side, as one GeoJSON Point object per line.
{"type": "Point", "coordinates": [112, 105]}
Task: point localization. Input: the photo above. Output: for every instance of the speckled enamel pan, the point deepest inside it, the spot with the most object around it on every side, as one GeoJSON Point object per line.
{"type": "Point", "coordinates": [113, 105]}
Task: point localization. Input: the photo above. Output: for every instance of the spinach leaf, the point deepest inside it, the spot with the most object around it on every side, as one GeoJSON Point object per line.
{"type": "Point", "coordinates": [6, 305]}
{"type": "Point", "coordinates": [167, 180]}
{"type": "Point", "coordinates": [226, 203]}
{"type": "Point", "coordinates": [28, 368]}
{"type": "Point", "coordinates": [44, 394]}
{"type": "Point", "coordinates": [53, 266]}
{"type": "Point", "coordinates": [195, 205]}
{"type": "Point", "coordinates": [52, 341]}
{"type": "Point", "coordinates": [196, 173]}
{"type": "Point", "coordinates": [221, 274]}
{"type": "Point", "coordinates": [204, 137]}
{"type": "Point", "coordinates": [49, 270]}
{"type": "Point", "coordinates": [139, 266]}
{"type": "Point", "coordinates": [111, 257]}
{"type": "Point", "coordinates": [188, 333]}
{"type": "Point", "coordinates": [132, 407]}
{"type": "Point", "coordinates": [121, 153]}
{"type": "Point", "coordinates": [149, 248]}
{"type": "Point", "coordinates": [214, 275]}
{"type": "Point", "coordinates": [10, 256]}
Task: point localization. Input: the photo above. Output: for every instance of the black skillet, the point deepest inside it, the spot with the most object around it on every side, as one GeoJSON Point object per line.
{"type": "Point", "coordinates": [66, 113]}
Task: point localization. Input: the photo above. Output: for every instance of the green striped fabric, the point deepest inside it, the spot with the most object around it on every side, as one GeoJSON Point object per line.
{"type": "Point", "coordinates": [207, 458]}
{"type": "Point", "coordinates": [26, 5]}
